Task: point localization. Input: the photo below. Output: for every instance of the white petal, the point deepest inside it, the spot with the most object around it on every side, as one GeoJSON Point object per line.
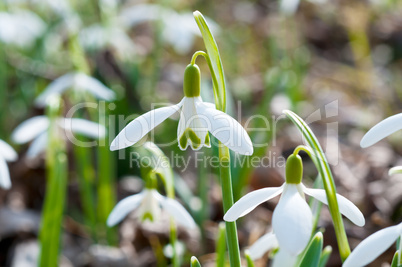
{"type": "Point", "coordinates": [92, 85]}
{"type": "Point", "coordinates": [37, 146]}
{"type": "Point", "coordinates": [250, 201]}
{"type": "Point", "coordinates": [30, 129]}
{"type": "Point", "coordinates": [346, 207]}
{"type": "Point", "coordinates": [58, 86]}
{"type": "Point", "coordinates": [177, 211]}
{"type": "Point", "coordinates": [263, 245]}
{"type": "Point", "coordinates": [84, 127]}
{"type": "Point", "coordinates": [5, 181]}
{"type": "Point", "coordinates": [283, 258]}
{"type": "Point", "coordinates": [292, 221]}
{"type": "Point", "coordinates": [7, 152]}
{"type": "Point", "coordinates": [226, 129]}
{"type": "Point", "coordinates": [123, 208]}
{"type": "Point", "coordinates": [382, 130]}
{"type": "Point", "coordinates": [142, 125]}
{"type": "Point", "coordinates": [372, 247]}
{"type": "Point", "coordinates": [189, 119]}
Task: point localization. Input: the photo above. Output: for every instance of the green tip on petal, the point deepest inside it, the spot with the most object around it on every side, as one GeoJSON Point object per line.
{"type": "Point", "coordinates": [189, 134]}
{"type": "Point", "coordinates": [192, 81]}
{"type": "Point", "coordinates": [294, 169]}
{"type": "Point", "coordinates": [147, 216]}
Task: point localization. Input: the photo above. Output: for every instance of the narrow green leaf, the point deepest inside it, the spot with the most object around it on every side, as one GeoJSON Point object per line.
{"type": "Point", "coordinates": [195, 262]}
{"type": "Point", "coordinates": [395, 260]}
{"type": "Point", "coordinates": [221, 246]}
{"type": "Point", "coordinates": [322, 166]}
{"type": "Point", "coordinates": [215, 63]}
{"type": "Point", "coordinates": [325, 256]}
{"type": "Point", "coordinates": [250, 262]}
{"type": "Point", "coordinates": [312, 256]}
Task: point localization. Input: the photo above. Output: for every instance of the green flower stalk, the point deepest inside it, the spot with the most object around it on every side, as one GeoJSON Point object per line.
{"type": "Point", "coordinates": [56, 168]}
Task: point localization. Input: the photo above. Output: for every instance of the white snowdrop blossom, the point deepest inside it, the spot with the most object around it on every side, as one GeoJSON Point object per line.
{"type": "Point", "coordinates": [77, 81]}
{"type": "Point", "coordinates": [148, 205]}
{"type": "Point", "coordinates": [179, 29]}
{"type": "Point", "coordinates": [36, 129]}
{"type": "Point", "coordinates": [7, 153]}
{"type": "Point", "coordinates": [196, 119]}
{"type": "Point", "coordinates": [20, 28]}
{"type": "Point", "coordinates": [381, 130]}
{"type": "Point", "coordinates": [292, 220]}
{"type": "Point", "coordinates": [99, 36]}
{"type": "Point", "coordinates": [373, 246]}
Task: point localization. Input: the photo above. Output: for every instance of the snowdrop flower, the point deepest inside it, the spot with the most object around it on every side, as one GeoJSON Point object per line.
{"type": "Point", "coordinates": [7, 153]}
{"type": "Point", "coordinates": [373, 246]}
{"type": "Point", "coordinates": [77, 81]}
{"type": "Point", "coordinates": [99, 36]}
{"type": "Point", "coordinates": [381, 130]}
{"type": "Point", "coordinates": [196, 119]}
{"type": "Point", "coordinates": [36, 129]}
{"type": "Point", "coordinates": [179, 29]}
{"type": "Point", "coordinates": [292, 218]}
{"type": "Point", "coordinates": [150, 204]}
{"type": "Point", "coordinates": [20, 28]}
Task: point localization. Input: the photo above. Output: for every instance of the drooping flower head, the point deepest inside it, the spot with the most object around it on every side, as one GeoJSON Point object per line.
{"type": "Point", "coordinates": [197, 118]}
{"type": "Point", "coordinates": [149, 204]}
{"type": "Point", "coordinates": [36, 129]}
{"type": "Point", "coordinates": [292, 217]}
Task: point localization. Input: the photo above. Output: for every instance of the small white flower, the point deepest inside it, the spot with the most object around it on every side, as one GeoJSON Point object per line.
{"type": "Point", "coordinates": [20, 28]}
{"type": "Point", "coordinates": [150, 203]}
{"type": "Point", "coordinates": [292, 218]}
{"type": "Point", "coordinates": [381, 130]}
{"type": "Point", "coordinates": [196, 119]}
{"type": "Point", "coordinates": [373, 246]}
{"type": "Point", "coordinates": [36, 129]}
{"type": "Point", "coordinates": [7, 153]}
{"type": "Point", "coordinates": [179, 29]}
{"type": "Point", "coordinates": [99, 36]}
{"type": "Point", "coordinates": [77, 81]}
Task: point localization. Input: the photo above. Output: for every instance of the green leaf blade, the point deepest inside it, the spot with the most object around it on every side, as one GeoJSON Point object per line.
{"type": "Point", "coordinates": [215, 62]}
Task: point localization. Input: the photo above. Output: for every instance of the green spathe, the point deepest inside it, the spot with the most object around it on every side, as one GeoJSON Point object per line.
{"type": "Point", "coordinates": [294, 169]}
{"type": "Point", "coordinates": [192, 81]}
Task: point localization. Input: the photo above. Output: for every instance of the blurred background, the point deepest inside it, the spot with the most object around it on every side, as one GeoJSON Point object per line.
{"type": "Point", "coordinates": [338, 63]}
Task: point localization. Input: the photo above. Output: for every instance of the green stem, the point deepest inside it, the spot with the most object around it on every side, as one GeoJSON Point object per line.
{"type": "Point", "coordinates": [400, 250]}
{"type": "Point", "coordinates": [106, 182]}
{"type": "Point", "coordinates": [199, 53]}
{"type": "Point", "coordinates": [221, 246]}
{"type": "Point", "coordinates": [227, 195]}
{"type": "Point", "coordinates": [86, 177]}
{"type": "Point", "coordinates": [173, 242]}
{"type": "Point", "coordinates": [56, 187]}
